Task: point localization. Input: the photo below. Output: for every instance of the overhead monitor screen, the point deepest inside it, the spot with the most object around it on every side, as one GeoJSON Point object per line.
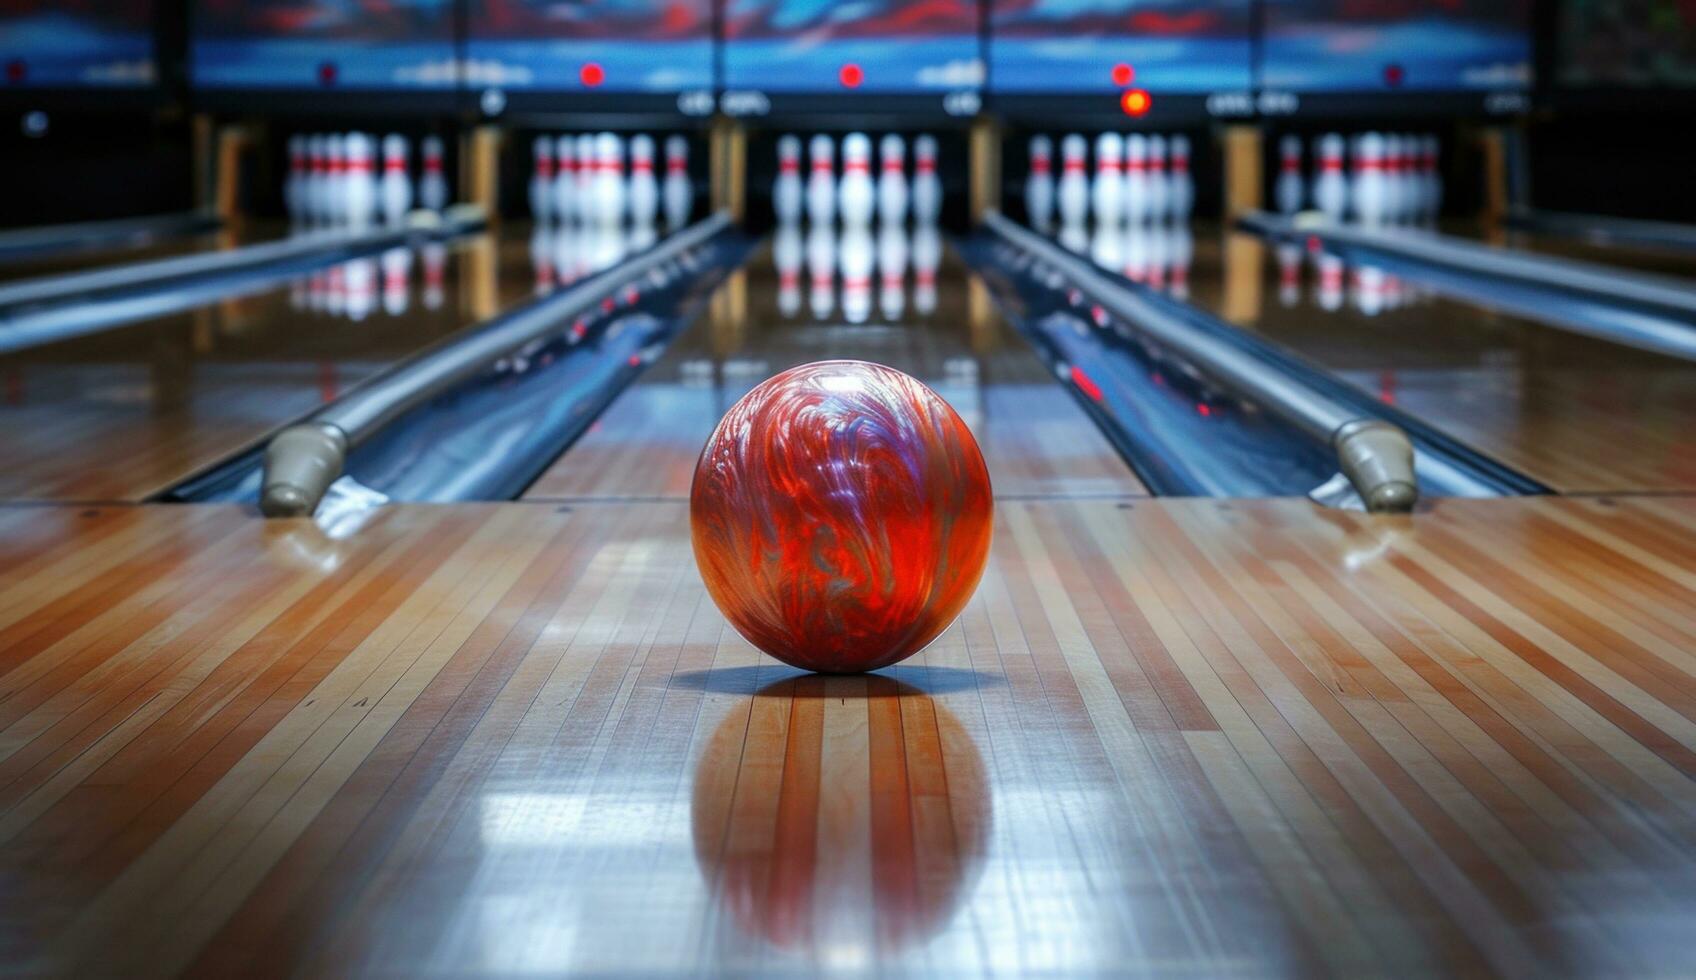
{"type": "Point", "coordinates": [860, 46]}
{"type": "Point", "coordinates": [69, 44]}
{"type": "Point", "coordinates": [1103, 45]}
{"type": "Point", "coordinates": [363, 44]}
{"type": "Point", "coordinates": [1626, 44]}
{"type": "Point", "coordinates": [652, 46]}
{"type": "Point", "coordinates": [1390, 45]}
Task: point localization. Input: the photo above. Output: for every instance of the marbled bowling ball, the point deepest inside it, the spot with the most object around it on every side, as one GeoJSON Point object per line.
{"type": "Point", "coordinates": [841, 516]}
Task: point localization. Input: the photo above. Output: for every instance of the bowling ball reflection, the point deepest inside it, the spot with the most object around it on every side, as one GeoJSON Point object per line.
{"type": "Point", "coordinates": [841, 516]}
{"type": "Point", "coordinates": [841, 817]}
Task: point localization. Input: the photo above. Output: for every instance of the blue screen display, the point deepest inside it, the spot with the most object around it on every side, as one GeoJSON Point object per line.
{"type": "Point", "coordinates": [365, 44]}
{"type": "Point", "coordinates": [1110, 45]}
{"type": "Point", "coordinates": [1389, 45]}
{"type": "Point", "coordinates": [576, 45]}
{"type": "Point", "coordinates": [77, 45]}
{"type": "Point", "coordinates": [862, 45]}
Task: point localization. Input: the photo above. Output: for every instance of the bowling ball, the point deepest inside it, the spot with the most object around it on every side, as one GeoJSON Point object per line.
{"type": "Point", "coordinates": [840, 515]}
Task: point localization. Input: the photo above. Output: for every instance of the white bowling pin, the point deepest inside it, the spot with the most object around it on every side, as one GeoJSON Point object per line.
{"type": "Point", "coordinates": [396, 188]}
{"type": "Point", "coordinates": [433, 184]}
{"type": "Point", "coordinates": [397, 280]}
{"type": "Point", "coordinates": [566, 237]}
{"type": "Point", "coordinates": [1106, 246]}
{"type": "Point", "coordinates": [1180, 182]}
{"type": "Point", "coordinates": [587, 213]}
{"type": "Point", "coordinates": [435, 274]}
{"type": "Point", "coordinates": [295, 186]}
{"type": "Point", "coordinates": [1074, 185]}
{"type": "Point", "coordinates": [565, 180]}
{"type": "Point", "coordinates": [927, 184]}
{"type": "Point", "coordinates": [855, 197]}
{"type": "Point", "coordinates": [892, 270]}
{"type": "Point", "coordinates": [821, 184]}
{"type": "Point", "coordinates": [1369, 191]}
{"type": "Point", "coordinates": [542, 257]}
{"type": "Point", "coordinates": [1289, 273]}
{"type": "Point", "coordinates": [1039, 185]}
{"type": "Point", "coordinates": [609, 182]}
{"type": "Point", "coordinates": [786, 253]}
{"type": "Point", "coordinates": [335, 186]}
{"type": "Point", "coordinates": [1136, 179]}
{"type": "Point", "coordinates": [1330, 187]}
{"type": "Point", "coordinates": [1134, 258]}
{"type": "Point", "coordinates": [821, 269]}
{"type": "Point", "coordinates": [542, 181]}
{"type": "Point", "coordinates": [1289, 189]}
{"type": "Point", "coordinates": [679, 192]}
{"type": "Point", "coordinates": [786, 192]}
{"type": "Point", "coordinates": [317, 178]}
{"type": "Point", "coordinates": [1330, 282]}
{"type": "Point", "coordinates": [361, 182]}
{"type": "Point", "coordinates": [644, 188]}
{"type": "Point", "coordinates": [855, 255]}
{"type": "Point", "coordinates": [1180, 252]}
{"type": "Point", "coordinates": [1159, 187]}
{"type": "Point", "coordinates": [927, 255]}
{"type": "Point", "coordinates": [892, 180]}
{"type": "Point", "coordinates": [1107, 192]}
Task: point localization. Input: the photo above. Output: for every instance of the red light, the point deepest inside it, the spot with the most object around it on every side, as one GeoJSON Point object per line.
{"type": "Point", "coordinates": [1394, 75]}
{"type": "Point", "coordinates": [1123, 74]}
{"type": "Point", "coordinates": [327, 73]}
{"type": "Point", "coordinates": [1203, 410]}
{"type": "Point", "coordinates": [1085, 383]}
{"type": "Point", "coordinates": [1135, 102]}
{"type": "Point", "coordinates": [16, 70]}
{"type": "Point", "coordinates": [592, 74]}
{"type": "Point", "coordinates": [851, 75]}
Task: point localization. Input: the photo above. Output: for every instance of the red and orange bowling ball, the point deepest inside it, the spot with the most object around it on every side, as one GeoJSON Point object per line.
{"type": "Point", "coordinates": [841, 516]}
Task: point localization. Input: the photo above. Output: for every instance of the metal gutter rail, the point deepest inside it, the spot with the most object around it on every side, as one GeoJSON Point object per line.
{"type": "Point", "coordinates": [1376, 456]}
{"type": "Point", "coordinates": [303, 460]}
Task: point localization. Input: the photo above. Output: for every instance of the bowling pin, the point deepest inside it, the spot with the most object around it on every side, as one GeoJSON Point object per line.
{"type": "Point", "coordinates": [1431, 204]}
{"type": "Point", "coordinates": [1289, 273]}
{"type": "Point", "coordinates": [1368, 192]}
{"type": "Point", "coordinates": [294, 188]}
{"type": "Point", "coordinates": [1134, 254]}
{"type": "Point", "coordinates": [786, 253]}
{"type": "Point", "coordinates": [927, 184]}
{"type": "Point", "coordinates": [1330, 188]}
{"type": "Point", "coordinates": [586, 209]}
{"type": "Point", "coordinates": [1289, 190]}
{"type": "Point", "coordinates": [1179, 180]}
{"type": "Point", "coordinates": [1180, 253]}
{"type": "Point", "coordinates": [565, 180]}
{"type": "Point", "coordinates": [644, 187]}
{"type": "Point", "coordinates": [1136, 179]}
{"type": "Point", "coordinates": [435, 273]}
{"type": "Point", "coordinates": [786, 193]}
{"type": "Point", "coordinates": [1039, 185]}
{"type": "Point", "coordinates": [892, 271]}
{"type": "Point", "coordinates": [1106, 194]}
{"type": "Point", "coordinates": [542, 258]}
{"type": "Point", "coordinates": [927, 255]}
{"type": "Point", "coordinates": [821, 268]}
{"type": "Point", "coordinates": [361, 181]}
{"type": "Point", "coordinates": [855, 255]}
{"type": "Point", "coordinates": [1159, 188]}
{"type": "Point", "coordinates": [821, 184]}
{"type": "Point", "coordinates": [361, 283]}
{"type": "Point", "coordinates": [1330, 282]}
{"type": "Point", "coordinates": [565, 245]}
{"type": "Point", "coordinates": [396, 188]}
{"type": "Point", "coordinates": [335, 184]}
{"type": "Point", "coordinates": [855, 194]}
{"type": "Point", "coordinates": [433, 185]}
{"type": "Point", "coordinates": [542, 181]}
{"type": "Point", "coordinates": [1106, 246]}
{"type": "Point", "coordinates": [892, 181]}
{"type": "Point", "coordinates": [317, 174]}
{"type": "Point", "coordinates": [679, 191]}
{"type": "Point", "coordinates": [1074, 186]}
{"type": "Point", "coordinates": [609, 181]}
{"type": "Point", "coordinates": [1074, 237]}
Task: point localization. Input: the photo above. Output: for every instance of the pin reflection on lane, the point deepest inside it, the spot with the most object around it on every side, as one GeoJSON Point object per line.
{"type": "Point", "coordinates": [856, 254]}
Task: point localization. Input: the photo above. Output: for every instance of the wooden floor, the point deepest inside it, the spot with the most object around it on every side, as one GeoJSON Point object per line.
{"type": "Point", "coordinates": [1167, 737]}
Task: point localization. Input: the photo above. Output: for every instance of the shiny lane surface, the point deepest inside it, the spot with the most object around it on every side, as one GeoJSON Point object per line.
{"type": "Point", "coordinates": [1577, 414]}
{"type": "Point", "coordinates": [124, 414]}
{"type": "Point", "coordinates": [1167, 737]}
{"type": "Point", "coordinates": [165, 247]}
{"type": "Point", "coordinates": [1036, 439]}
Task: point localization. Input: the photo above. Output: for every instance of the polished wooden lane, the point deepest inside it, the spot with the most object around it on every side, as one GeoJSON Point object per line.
{"type": "Point", "coordinates": [1038, 442]}
{"type": "Point", "coordinates": [123, 415]}
{"type": "Point", "coordinates": [1579, 415]}
{"type": "Point", "coordinates": [1166, 737]}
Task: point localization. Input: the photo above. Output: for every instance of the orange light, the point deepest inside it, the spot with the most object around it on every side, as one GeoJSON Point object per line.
{"type": "Point", "coordinates": [1135, 102]}
{"type": "Point", "coordinates": [851, 75]}
{"type": "Point", "coordinates": [1123, 74]}
{"type": "Point", "coordinates": [592, 74]}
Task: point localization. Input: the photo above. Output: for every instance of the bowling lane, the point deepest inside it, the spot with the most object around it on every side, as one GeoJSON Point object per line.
{"type": "Point", "coordinates": [175, 246]}
{"type": "Point", "coordinates": [1037, 441]}
{"type": "Point", "coordinates": [124, 414]}
{"type": "Point", "coordinates": [1659, 262]}
{"type": "Point", "coordinates": [1578, 414]}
